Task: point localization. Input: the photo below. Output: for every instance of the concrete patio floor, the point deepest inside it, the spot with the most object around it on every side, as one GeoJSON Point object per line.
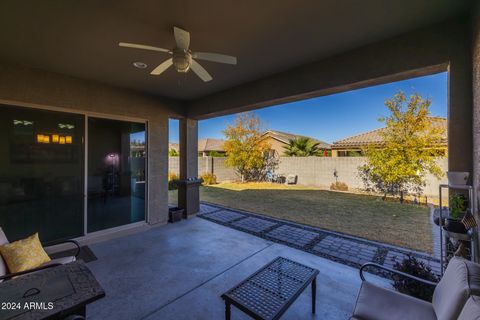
{"type": "Point", "coordinates": [178, 271]}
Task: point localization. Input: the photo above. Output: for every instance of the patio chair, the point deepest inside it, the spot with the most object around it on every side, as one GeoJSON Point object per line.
{"type": "Point", "coordinates": [471, 310]}
{"type": "Point", "coordinates": [4, 275]}
{"type": "Point", "coordinates": [458, 285]}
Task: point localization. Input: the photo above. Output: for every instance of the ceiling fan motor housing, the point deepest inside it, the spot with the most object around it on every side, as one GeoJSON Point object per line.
{"type": "Point", "coordinates": [182, 60]}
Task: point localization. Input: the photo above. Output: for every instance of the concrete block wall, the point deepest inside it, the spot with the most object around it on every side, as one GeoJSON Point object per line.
{"type": "Point", "coordinates": [311, 171]}
{"type": "Point", "coordinates": [174, 165]}
{"type": "Point", "coordinates": [205, 165]}
{"type": "Point", "coordinates": [317, 171]}
{"type": "Point", "coordinates": [223, 172]}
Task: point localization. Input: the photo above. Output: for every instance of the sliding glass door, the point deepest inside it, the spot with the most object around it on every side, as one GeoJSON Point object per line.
{"type": "Point", "coordinates": [115, 174]}
{"type": "Point", "coordinates": [41, 173]}
{"type": "Point", "coordinates": [44, 178]}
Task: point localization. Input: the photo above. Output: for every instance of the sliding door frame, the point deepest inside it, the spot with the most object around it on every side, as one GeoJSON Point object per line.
{"type": "Point", "coordinates": [101, 115]}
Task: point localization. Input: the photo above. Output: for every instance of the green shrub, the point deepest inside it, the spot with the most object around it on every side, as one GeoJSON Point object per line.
{"type": "Point", "coordinates": [172, 181]}
{"type": "Point", "coordinates": [173, 153]}
{"type": "Point", "coordinates": [209, 178]}
{"type": "Point", "coordinates": [457, 205]}
{"type": "Point", "coordinates": [411, 287]}
{"type": "Point", "coordinates": [340, 186]}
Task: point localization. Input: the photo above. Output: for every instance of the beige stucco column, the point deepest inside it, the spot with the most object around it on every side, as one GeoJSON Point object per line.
{"type": "Point", "coordinates": [188, 191]}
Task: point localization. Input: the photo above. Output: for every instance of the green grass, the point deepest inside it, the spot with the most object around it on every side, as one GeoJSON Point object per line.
{"type": "Point", "coordinates": [370, 217]}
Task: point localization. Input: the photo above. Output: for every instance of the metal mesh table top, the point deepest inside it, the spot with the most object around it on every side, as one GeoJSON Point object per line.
{"type": "Point", "coordinates": [269, 291]}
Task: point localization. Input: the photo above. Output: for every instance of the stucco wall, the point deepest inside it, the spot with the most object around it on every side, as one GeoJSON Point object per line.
{"type": "Point", "coordinates": [36, 88]}
{"type": "Point", "coordinates": [276, 145]}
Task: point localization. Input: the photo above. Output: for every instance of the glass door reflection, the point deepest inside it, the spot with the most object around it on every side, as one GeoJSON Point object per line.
{"type": "Point", "coordinates": [41, 174]}
{"type": "Point", "coordinates": [116, 173]}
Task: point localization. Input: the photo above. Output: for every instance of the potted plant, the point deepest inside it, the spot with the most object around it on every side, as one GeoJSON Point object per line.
{"type": "Point", "coordinates": [457, 206]}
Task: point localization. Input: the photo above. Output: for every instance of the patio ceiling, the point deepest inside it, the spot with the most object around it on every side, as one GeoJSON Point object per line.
{"type": "Point", "coordinates": [80, 38]}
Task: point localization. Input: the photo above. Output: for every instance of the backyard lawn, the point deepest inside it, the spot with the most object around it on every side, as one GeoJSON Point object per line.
{"type": "Point", "coordinates": [365, 216]}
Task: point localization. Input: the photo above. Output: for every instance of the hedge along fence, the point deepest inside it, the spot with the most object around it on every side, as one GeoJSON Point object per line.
{"type": "Point", "coordinates": [311, 171]}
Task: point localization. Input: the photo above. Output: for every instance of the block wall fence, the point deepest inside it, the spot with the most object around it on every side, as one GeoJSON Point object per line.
{"type": "Point", "coordinates": [311, 171]}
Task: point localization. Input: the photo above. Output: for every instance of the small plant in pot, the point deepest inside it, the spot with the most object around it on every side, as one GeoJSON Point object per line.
{"type": "Point", "coordinates": [457, 206]}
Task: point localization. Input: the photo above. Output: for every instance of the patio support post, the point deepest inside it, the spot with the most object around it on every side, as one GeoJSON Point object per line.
{"type": "Point", "coordinates": [188, 188]}
{"type": "Point", "coordinates": [476, 113]}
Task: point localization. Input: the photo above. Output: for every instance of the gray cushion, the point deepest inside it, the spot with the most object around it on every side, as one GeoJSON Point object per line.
{"type": "Point", "coordinates": [376, 303]}
{"type": "Point", "coordinates": [471, 310]}
{"type": "Point", "coordinates": [461, 279]}
{"type": "Point", "coordinates": [3, 266]}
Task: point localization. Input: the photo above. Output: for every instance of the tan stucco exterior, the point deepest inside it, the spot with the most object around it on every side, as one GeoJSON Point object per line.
{"type": "Point", "coordinates": [276, 145]}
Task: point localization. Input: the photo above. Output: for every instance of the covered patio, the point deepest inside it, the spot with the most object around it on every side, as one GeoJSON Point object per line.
{"type": "Point", "coordinates": [179, 271]}
{"type": "Point", "coordinates": [84, 128]}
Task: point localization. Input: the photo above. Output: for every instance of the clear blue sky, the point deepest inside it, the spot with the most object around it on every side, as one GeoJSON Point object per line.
{"type": "Point", "coordinates": [337, 116]}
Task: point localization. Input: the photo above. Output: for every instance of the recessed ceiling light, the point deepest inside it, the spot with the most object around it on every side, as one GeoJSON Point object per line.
{"type": "Point", "coordinates": [139, 65]}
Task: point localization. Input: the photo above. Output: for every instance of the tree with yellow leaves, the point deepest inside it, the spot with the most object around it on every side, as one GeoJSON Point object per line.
{"type": "Point", "coordinates": [246, 149]}
{"type": "Point", "coordinates": [410, 144]}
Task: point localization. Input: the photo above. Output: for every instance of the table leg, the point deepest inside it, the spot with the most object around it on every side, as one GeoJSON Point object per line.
{"type": "Point", "coordinates": [314, 294]}
{"type": "Point", "coordinates": [227, 310]}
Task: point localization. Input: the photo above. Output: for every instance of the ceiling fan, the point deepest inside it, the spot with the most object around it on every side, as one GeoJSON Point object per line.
{"type": "Point", "coordinates": [182, 57]}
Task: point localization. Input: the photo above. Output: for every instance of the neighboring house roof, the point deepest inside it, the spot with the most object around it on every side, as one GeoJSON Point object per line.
{"type": "Point", "coordinates": [285, 137]}
{"type": "Point", "coordinates": [209, 144]}
{"type": "Point", "coordinates": [375, 137]}
{"type": "Point", "coordinates": [204, 145]}
{"type": "Point", "coordinates": [174, 146]}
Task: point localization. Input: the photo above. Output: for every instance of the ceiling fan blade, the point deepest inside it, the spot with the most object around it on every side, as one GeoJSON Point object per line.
{"type": "Point", "coordinates": [162, 67]}
{"type": "Point", "coordinates": [142, 46]}
{"type": "Point", "coordinates": [215, 57]}
{"type": "Point", "coordinates": [182, 38]}
{"type": "Point", "coordinates": [200, 71]}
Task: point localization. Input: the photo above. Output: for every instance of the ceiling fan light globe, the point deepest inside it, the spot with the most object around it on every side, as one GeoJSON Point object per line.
{"type": "Point", "coordinates": [182, 60]}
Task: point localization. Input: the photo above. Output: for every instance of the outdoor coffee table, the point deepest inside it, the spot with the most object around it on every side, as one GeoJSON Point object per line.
{"type": "Point", "coordinates": [269, 292]}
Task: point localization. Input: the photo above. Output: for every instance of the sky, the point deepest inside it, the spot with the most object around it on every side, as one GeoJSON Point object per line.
{"type": "Point", "coordinates": [334, 117]}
